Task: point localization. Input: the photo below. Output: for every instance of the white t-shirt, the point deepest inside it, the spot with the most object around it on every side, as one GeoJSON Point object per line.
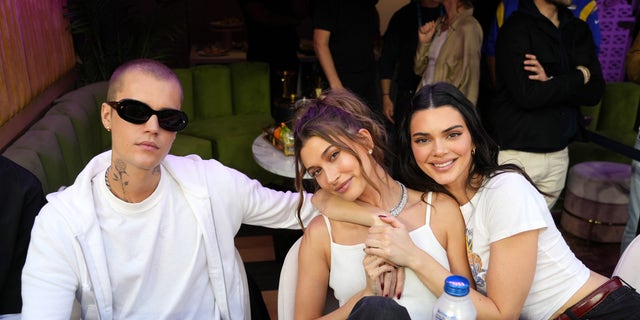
{"type": "Point", "coordinates": [155, 255]}
{"type": "Point", "coordinates": [505, 206]}
{"type": "Point", "coordinates": [347, 276]}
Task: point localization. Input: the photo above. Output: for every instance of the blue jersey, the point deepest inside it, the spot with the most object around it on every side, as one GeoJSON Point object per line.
{"type": "Point", "coordinates": [585, 10]}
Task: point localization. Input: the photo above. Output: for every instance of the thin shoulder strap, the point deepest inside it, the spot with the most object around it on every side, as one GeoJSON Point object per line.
{"type": "Point", "coordinates": [328, 223]}
{"type": "Point", "coordinates": [428, 215]}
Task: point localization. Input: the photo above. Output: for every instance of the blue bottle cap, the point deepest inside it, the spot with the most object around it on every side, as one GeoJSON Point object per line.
{"type": "Point", "coordinates": [457, 286]}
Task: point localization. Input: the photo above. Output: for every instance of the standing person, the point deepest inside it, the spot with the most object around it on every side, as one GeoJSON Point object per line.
{"type": "Point", "coordinates": [21, 198]}
{"type": "Point", "coordinates": [546, 68]}
{"type": "Point", "coordinates": [632, 62]}
{"type": "Point", "coordinates": [585, 10]}
{"type": "Point", "coordinates": [342, 148]}
{"type": "Point", "coordinates": [398, 51]}
{"type": "Point", "coordinates": [521, 265]}
{"type": "Point", "coordinates": [632, 228]}
{"type": "Point", "coordinates": [143, 234]}
{"type": "Point", "coordinates": [449, 49]}
{"type": "Point", "coordinates": [343, 38]}
{"type": "Point", "coordinates": [272, 35]}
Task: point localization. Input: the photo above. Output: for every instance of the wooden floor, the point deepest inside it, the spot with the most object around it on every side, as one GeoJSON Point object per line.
{"type": "Point", "coordinates": [263, 257]}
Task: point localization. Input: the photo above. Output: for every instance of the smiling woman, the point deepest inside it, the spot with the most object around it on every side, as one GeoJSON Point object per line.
{"type": "Point", "coordinates": [508, 225]}
{"type": "Point", "coordinates": [341, 146]}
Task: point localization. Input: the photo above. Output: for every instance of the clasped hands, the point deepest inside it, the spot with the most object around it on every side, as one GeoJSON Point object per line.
{"type": "Point", "coordinates": [388, 250]}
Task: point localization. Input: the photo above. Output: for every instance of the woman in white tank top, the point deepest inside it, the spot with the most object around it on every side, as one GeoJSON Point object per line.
{"type": "Point", "coordinates": [342, 148]}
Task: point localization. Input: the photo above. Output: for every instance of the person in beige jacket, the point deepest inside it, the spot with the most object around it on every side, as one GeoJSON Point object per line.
{"type": "Point", "coordinates": [449, 49]}
{"type": "Point", "coordinates": [633, 61]}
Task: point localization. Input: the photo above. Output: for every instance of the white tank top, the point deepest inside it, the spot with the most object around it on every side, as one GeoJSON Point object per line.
{"type": "Point", "coordinates": [347, 276]}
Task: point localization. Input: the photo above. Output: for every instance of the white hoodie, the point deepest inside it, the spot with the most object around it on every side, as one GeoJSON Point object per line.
{"type": "Point", "coordinates": [66, 258]}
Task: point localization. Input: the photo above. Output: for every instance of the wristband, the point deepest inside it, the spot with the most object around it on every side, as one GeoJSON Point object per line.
{"type": "Point", "coordinates": [585, 73]}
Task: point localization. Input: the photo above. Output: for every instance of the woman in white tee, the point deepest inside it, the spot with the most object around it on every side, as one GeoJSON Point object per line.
{"type": "Point", "coordinates": [521, 265]}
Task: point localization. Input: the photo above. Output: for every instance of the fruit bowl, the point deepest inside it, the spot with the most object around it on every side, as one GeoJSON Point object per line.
{"type": "Point", "coordinates": [272, 135]}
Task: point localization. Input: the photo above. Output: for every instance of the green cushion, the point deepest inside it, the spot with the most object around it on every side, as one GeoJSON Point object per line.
{"type": "Point", "coordinates": [88, 130]}
{"type": "Point", "coordinates": [212, 91]}
{"type": "Point", "coordinates": [619, 107]}
{"type": "Point", "coordinates": [228, 126]}
{"type": "Point", "coordinates": [232, 138]}
{"type": "Point", "coordinates": [46, 146]}
{"type": "Point", "coordinates": [250, 83]}
{"type": "Point", "coordinates": [67, 138]}
{"type": "Point", "coordinates": [185, 145]}
{"type": "Point", "coordinates": [186, 81]}
{"type": "Point", "coordinates": [588, 151]}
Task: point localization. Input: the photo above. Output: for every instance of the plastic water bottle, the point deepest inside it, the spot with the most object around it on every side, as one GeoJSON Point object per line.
{"type": "Point", "coordinates": [455, 302]}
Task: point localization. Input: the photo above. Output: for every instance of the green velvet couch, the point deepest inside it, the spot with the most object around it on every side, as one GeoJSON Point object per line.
{"type": "Point", "coordinates": [227, 105]}
{"type": "Point", "coordinates": [614, 117]}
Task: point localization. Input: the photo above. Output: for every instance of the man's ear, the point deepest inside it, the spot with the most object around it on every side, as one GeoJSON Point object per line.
{"type": "Point", "coordinates": [105, 115]}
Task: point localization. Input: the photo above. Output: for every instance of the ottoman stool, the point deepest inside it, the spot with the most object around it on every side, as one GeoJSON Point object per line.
{"type": "Point", "coordinates": [596, 201]}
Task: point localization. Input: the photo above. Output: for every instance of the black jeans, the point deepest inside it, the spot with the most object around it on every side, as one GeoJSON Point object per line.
{"type": "Point", "coordinates": [378, 308]}
{"type": "Point", "coordinates": [623, 304]}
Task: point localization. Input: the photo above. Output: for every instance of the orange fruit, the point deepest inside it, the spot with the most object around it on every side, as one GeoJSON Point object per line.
{"type": "Point", "coordinates": [276, 133]}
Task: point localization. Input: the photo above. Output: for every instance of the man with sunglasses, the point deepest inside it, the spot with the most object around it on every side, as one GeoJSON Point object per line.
{"type": "Point", "coordinates": [144, 234]}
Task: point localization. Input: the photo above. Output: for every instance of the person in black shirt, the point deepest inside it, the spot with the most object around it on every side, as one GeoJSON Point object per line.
{"type": "Point", "coordinates": [272, 35]}
{"type": "Point", "coordinates": [21, 197]}
{"type": "Point", "coordinates": [343, 38]}
{"type": "Point", "coordinates": [546, 69]}
{"type": "Point", "coordinates": [398, 51]}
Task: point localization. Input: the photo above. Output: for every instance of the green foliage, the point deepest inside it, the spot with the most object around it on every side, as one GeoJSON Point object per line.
{"type": "Point", "coordinates": [107, 33]}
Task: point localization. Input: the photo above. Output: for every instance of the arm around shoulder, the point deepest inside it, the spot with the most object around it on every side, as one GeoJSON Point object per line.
{"type": "Point", "coordinates": [449, 218]}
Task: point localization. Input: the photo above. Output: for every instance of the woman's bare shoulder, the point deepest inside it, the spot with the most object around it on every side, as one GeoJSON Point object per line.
{"type": "Point", "coordinates": [445, 206]}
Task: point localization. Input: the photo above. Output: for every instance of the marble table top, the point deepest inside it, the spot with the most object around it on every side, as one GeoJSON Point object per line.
{"type": "Point", "coordinates": [272, 159]}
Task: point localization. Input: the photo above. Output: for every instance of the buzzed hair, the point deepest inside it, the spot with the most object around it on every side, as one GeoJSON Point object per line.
{"type": "Point", "coordinates": [148, 66]}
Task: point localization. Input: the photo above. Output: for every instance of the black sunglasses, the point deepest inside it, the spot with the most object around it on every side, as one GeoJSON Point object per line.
{"type": "Point", "coordinates": [138, 112]}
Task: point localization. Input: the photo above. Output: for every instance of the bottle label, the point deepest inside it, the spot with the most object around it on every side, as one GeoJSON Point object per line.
{"type": "Point", "coordinates": [440, 315]}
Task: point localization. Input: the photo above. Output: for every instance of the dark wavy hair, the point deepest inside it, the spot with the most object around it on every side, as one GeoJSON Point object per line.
{"type": "Point", "coordinates": [484, 161]}
{"type": "Point", "coordinates": [336, 117]}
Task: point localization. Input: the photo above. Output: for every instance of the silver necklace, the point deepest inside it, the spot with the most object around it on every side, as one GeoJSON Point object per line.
{"type": "Point", "coordinates": [403, 201]}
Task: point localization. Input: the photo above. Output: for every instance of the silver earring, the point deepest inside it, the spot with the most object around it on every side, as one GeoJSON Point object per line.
{"type": "Point", "coordinates": [370, 151]}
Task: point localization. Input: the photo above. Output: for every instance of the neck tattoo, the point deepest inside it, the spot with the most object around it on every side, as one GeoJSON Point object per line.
{"type": "Point", "coordinates": [106, 178]}
{"type": "Point", "coordinates": [403, 201]}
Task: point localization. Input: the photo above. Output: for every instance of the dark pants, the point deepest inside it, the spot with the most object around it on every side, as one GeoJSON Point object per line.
{"type": "Point", "coordinates": [623, 304]}
{"type": "Point", "coordinates": [378, 308]}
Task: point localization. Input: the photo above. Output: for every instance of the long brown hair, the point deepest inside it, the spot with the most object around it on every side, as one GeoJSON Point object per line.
{"type": "Point", "coordinates": [484, 161]}
{"type": "Point", "coordinates": [336, 117]}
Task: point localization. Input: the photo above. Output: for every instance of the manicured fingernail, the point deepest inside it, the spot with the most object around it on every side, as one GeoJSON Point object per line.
{"type": "Point", "coordinates": [399, 295]}
{"type": "Point", "coordinates": [382, 216]}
